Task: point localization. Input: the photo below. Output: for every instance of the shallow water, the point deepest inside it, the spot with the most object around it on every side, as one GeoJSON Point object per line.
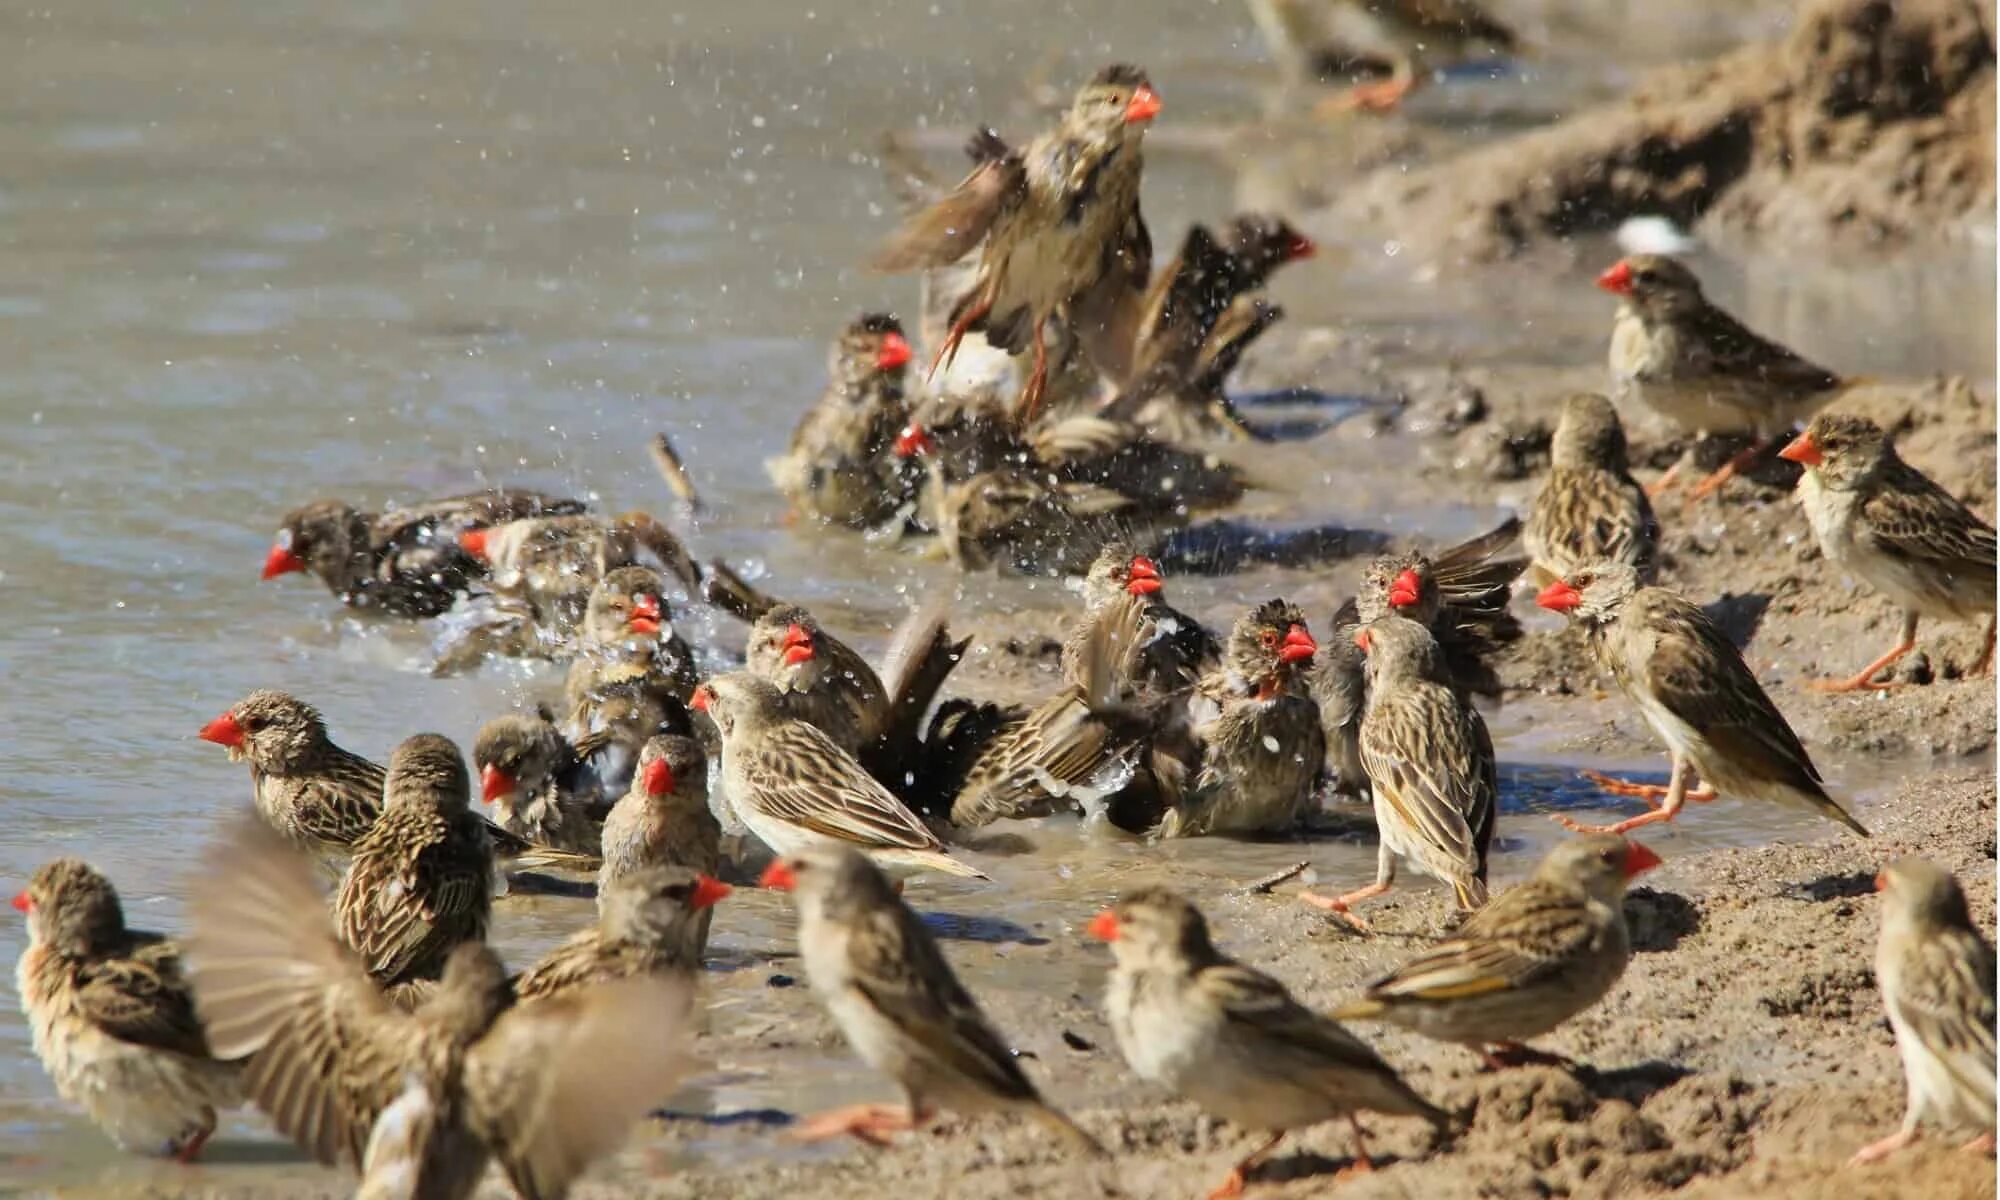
{"type": "Point", "coordinates": [258, 253]}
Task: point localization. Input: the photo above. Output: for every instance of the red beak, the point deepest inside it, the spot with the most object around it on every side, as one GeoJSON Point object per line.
{"type": "Point", "coordinates": [1803, 451]}
{"type": "Point", "coordinates": [913, 440]}
{"type": "Point", "coordinates": [1300, 247]}
{"type": "Point", "coordinates": [1617, 278]}
{"type": "Point", "coordinates": [1559, 597]}
{"type": "Point", "coordinates": [223, 731]}
{"type": "Point", "coordinates": [1362, 640]}
{"type": "Point", "coordinates": [1143, 106]}
{"type": "Point", "coordinates": [701, 698]}
{"type": "Point", "coordinates": [23, 902]}
{"type": "Point", "coordinates": [658, 777]}
{"type": "Point", "coordinates": [708, 890]}
{"type": "Point", "coordinates": [1404, 589]}
{"type": "Point", "coordinates": [798, 645]}
{"type": "Point", "coordinates": [1639, 859]}
{"type": "Point", "coordinates": [1103, 926]}
{"type": "Point", "coordinates": [1144, 577]}
{"type": "Point", "coordinates": [778, 877]}
{"type": "Point", "coordinates": [645, 616]}
{"type": "Point", "coordinates": [494, 783]}
{"type": "Point", "coordinates": [473, 542]}
{"type": "Point", "coordinates": [281, 561]}
{"type": "Point", "coordinates": [894, 353]}
{"type": "Point", "coordinates": [1298, 646]}
{"type": "Point", "coordinates": [1881, 885]}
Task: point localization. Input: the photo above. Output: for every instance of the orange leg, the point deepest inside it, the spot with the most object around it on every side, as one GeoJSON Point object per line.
{"type": "Point", "coordinates": [1670, 807]}
{"type": "Point", "coordinates": [1385, 875]}
{"type": "Point", "coordinates": [1362, 1163]}
{"type": "Point", "coordinates": [1031, 396]}
{"type": "Point", "coordinates": [1375, 95]}
{"type": "Point", "coordinates": [1877, 1151]}
{"type": "Point", "coordinates": [1664, 482]}
{"type": "Point", "coordinates": [872, 1123]}
{"type": "Point", "coordinates": [948, 353]}
{"type": "Point", "coordinates": [192, 1150]}
{"type": "Point", "coordinates": [1983, 1144]}
{"type": "Point", "coordinates": [1863, 680]}
{"type": "Point", "coordinates": [1651, 793]}
{"type": "Point", "coordinates": [1232, 1184]}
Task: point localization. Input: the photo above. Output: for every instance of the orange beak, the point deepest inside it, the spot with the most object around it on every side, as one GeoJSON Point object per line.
{"type": "Point", "coordinates": [223, 731]}
{"type": "Point", "coordinates": [894, 353]}
{"type": "Point", "coordinates": [798, 645]}
{"type": "Point", "coordinates": [1298, 646]}
{"type": "Point", "coordinates": [708, 891]}
{"type": "Point", "coordinates": [645, 618]}
{"type": "Point", "coordinates": [658, 778]}
{"type": "Point", "coordinates": [1144, 577]}
{"type": "Point", "coordinates": [1559, 597]}
{"type": "Point", "coordinates": [1803, 451]}
{"type": "Point", "coordinates": [1103, 926]}
{"type": "Point", "coordinates": [912, 441]}
{"type": "Point", "coordinates": [1362, 640]}
{"type": "Point", "coordinates": [1639, 859]}
{"type": "Point", "coordinates": [23, 902]}
{"type": "Point", "coordinates": [778, 877]}
{"type": "Point", "coordinates": [1617, 278]}
{"type": "Point", "coordinates": [1300, 247]}
{"type": "Point", "coordinates": [1143, 106]}
{"type": "Point", "coordinates": [281, 561]}
{"type": "Point", "coordinates": [473, 542]}
{"type": "Point", "coordinates": [1404, 589]}
{"type": "Point", "coordinates": [1881, 885]}
{"type": "Point", "coordinates": [494, 783]}
{"type": "Point", "coordinates": [701, 698]}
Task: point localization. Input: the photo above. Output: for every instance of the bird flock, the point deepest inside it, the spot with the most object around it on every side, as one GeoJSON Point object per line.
{"type": "Point", "coordinates": [1072, 410]}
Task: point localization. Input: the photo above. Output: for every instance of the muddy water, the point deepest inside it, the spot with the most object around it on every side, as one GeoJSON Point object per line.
{"type": "Point", "coordinates": [255, 253]}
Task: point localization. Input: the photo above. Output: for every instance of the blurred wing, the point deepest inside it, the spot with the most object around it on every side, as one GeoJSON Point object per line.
{"type": "Point", "coordinates": [800, 776]}
{"type": "Point", "coordinates": [951, 228]}
{"type": "Point", "coordinates": [558, 1082]}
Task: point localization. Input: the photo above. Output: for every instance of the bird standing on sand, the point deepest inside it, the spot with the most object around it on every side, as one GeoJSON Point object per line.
{"type": "Point", "coordinates": [1052, 223]}
{"type": "Point", "coordinates": [1886, 522]}
{"type": "Point", "coordinates": [1697, 693]}
{"type": "Point", "coordinates": [1702, 369]}
{"type": "Point", "coordinates": [309, 789]}
{"type": "Point", "coordinates": [112, 1019]}
{"type": "Point", "coordinates": [1231, 1038]}
{"type": "Point", "coordinates": [1590, 509]}
{"type": "Point", "coordinates": [1935, 970]}
{"type": "Point", "coordinates": [1430, 767]}
{"type": "Point", "coordinates": [1536, 956]}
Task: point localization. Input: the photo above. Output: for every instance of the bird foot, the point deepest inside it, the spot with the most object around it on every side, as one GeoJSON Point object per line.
{"type": "Point", "coordinates": [1983, 1144]}
{"type": "Point", "coordinates": [1617, 827]}
{"type": "Point", "coordinates": [872, 1123]}
{"type": "Point", "coordinates": [1859, 683]}
{"type": "Point", "coordinates": [1612, 786]}
{"type": "Point", "coordinates": [1502, 1055]}
{"type": "Point", "coordinates": [1380, 95]}
{"type": "Point", "coordinates": [1337, 905]}
{"type": "Point", "coordinates": [1231, 1186]}
{"type": "Point", "coordinates": [1877, 1151]}
{"type": "Point", "coordinates": [188, 1153]}
{"type": "Point", "coordinates": [1360, 1166]}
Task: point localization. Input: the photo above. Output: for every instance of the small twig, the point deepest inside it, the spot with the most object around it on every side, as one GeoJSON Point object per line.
{"type": "Point", "coordinates": [1262, 887]}
{"type": "Point", "coordinates": [668, 460]}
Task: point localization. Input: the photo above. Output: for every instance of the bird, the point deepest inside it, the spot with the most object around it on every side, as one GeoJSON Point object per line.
{"type": "Point", "coordinates": [1233, 1039]}
{"type": "Point", "coordinates": [627, 640]}
{"type": "Point", "coordinates": [1460, 594]}
{"type": "Point", "coordinates": [1697, 693]}
{"type": "Point", "coordinates": [1429, 760]}
{"type": "Point", "coordinates": [649, 922]}
{"type": "Point", "coordinates": [1412, 38]}
{"type": "Point", "coordinates": [1539, 954]}
{"type": "Point", "coordinates": [1178, 651]}
{"type": "Point", "coordinates": [824, 681]}
{"type": "Point", "coordinates": [419, 1101]}
{"type": "Point", "coordinates": [538, 784]}
{"type": "Point", "coordinates": [664, 820]}
{"type": "Point", "coordinates": [419, 882]}
{"type": "Point", "coordinates": [1052, 223]}
{"type": "Point", "coordinates": [1883, 520]}
{"type": "Point", "coordinates": [793, 787]}
{"type": "Point", "coordinates": [1589, 508]}
{"type": "Point", "coordinates": [1935, 970]}
{"type": "Point", "coordinates": [838, 467]}
{"type": "Point", "coordinates": [308, 788]}
{"type": "Point", "coordinates": [879, 974]}
{"type": "Point", "coordinates": [113, 1020]}
{"type": "Point", "coordinates": [406, 561]}
{"type": "Point", "coordinates": [1680, 355]}
{"type": "Point", "coordinates": [550, 565]}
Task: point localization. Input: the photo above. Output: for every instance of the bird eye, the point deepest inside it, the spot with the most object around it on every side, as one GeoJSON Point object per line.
{"type": "Point", "coordinates": [1269, 637]}
{"type": "Point", "coordinates": [1581, 581]}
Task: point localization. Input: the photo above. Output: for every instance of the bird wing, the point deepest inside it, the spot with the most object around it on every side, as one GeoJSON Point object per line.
{"type": "Point", "coordinates": [1734, 350]}
{"type": "Point", "coordinates": [1945, 998]}
{"type": "Point", "coordinates": [951, 228]}
{"type": "Point", "coordinates": [1914, 518]}
{"type": "Point", "coordinates": [1254, 1003]}
{"type": "Point", "coordinates": [1528, 933]}
{"type": "Point", "coordinates": [1698, 676]}
{"type": "Point", "coordinates": [143, 998]}
{"type": "Point", "coordinates": [1422, 759]}
{"type": "Point", "coordinates": [274, 984]}
{"type": "Point", "coordinates": [395, 909]}
{"type": "Point", "coordinates": [558, 1081]}
{"type": "Point", "coordinates": [573, 962]}
{"type": "Point", "coordinates": [798, 775]}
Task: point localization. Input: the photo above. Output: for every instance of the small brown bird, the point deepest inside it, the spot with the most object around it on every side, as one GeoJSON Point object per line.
{"type": "Point", "coordinates": [1052, 223]}
{"type": "Point", "coordinates": [1590, 509]}
{"type": "Point", "coordinates": [539, 785]}
{"type": "Point", "coordinates": [627, 638]}
{"type": "Point", "coordinates": [793, 787]}
{"type": "Point", "coordinates": [824, 681]}
{"type": "Point", "coordinates": [1178, 651]}
{"type": "Point", "coordinates": [652, 921]}
{"type": "Point", "coordinates": [882, 979]}
{"type": "Point", "coordinates": [1430, 764]}
{"type": "Point", "coordinates": [406, 562]}
{"type": "Point", "coordinates": [1701, 368]}
{"type": "Point", "coordinates": [312, 791]}
{"type": "Point", "coordinates": [1936, 974]}
{"type": "Point", "coordinates": [664, 819]}
{"type": "Point", "coordinates": [1460, 595]}
{"type": "Point", "coordinates": [112, 1019]}
{"type": "Point", "coordinates": [1232, 1039]}
{"type": "Point", "coordinates": [1538, 955]}
{"type": "Point", "coordinates": [1339, 685]}
{"type": "Point", "coordinates": [1883, 520]}
{"type": "Point", "coordinates": [1019, 519]}
{"type": "Point", "coordinates": [1696, 692]}
{"type": "Point", "coordinates": [420, 881]}
{"type": "Point", "coordinates": [551, 564]}
{"type": "Point", "coordinates": [839, 468]}
{"type": "Point", "coordinates": [418, 1100]}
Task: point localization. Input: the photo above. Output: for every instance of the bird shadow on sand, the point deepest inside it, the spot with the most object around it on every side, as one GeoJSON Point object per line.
{"type": "Point", "coordinates": [1844, 886]}
{"type": "Point", "coordinates": [1659, 920]}
{"type": "Point", "coordinates": [964, 927]}
{"type": "Point", "coordinates": [1738, 616]}
{"type": "Point", "coordinates": [1307, 1164]}
{"type": "Point", "coordinates": [1634, 1084]}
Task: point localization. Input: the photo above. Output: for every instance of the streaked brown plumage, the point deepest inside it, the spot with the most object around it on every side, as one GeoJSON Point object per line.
{"type": "Point", "coordinates": [1538, 955]}
{"type": "Point", "coordinates": [420, 881]}
{"type": "Point", "coordinates": [1232, 1039]}
{"type": "Point", "coordinates": [551, 564]}
{"type": "Point", "coordinates": [627, 639]}
{"type": "Point", "coordinates": [1019, 519]}
{"type": "Point", "coordinates": [1430, 767]}
{"type": "Point", "coordinates": [824, 681]}
{"type": "Point", "coordinates": [1884, 521]}
{"type": "Point", "coordinates": [1178, 649]}
{"type": "Point", "coordinates": [112, 1019]}
{"type": "Point", "coordinates": [1460, 594]}
{"type": "Point", "coordinates": [838, 467]}
{"type": "Point", "coordinates": [1697, 693]}
{"type": "Point", "coordinates": [882, 979]}
{"type": "Point", "coordinates": [664, 820]}
{"type": "Point", "coordinates": [1590, 509]}
{"type": "Point", "coordinates": [1159, 478]}
{"type": "Point", "coordinates": [418, 1100]}
{"type": "Point", "coordinates": [538, 784]}
{"type": "Point", "coordinates": [309, 789]}
{"type": "Point", "coordinates": [406, 561]}
{"type": "Point", "coordinates": [1339, 685]}
{"type": "Point", "coordinates": [649, 922]}
{"type": "Point", "coordinates": [1935, 970]}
